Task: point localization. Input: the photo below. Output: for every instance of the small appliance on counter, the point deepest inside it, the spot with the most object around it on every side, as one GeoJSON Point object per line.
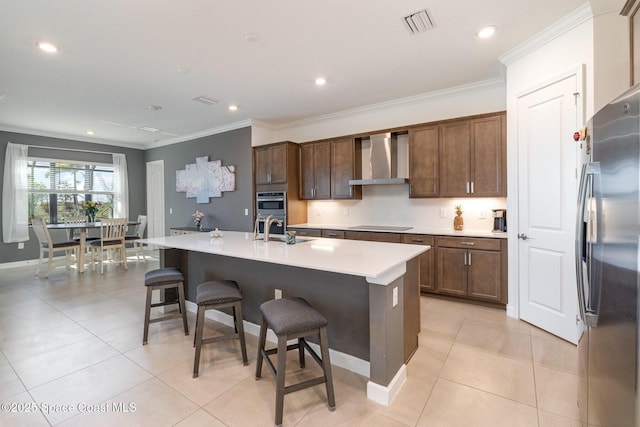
{"type": "Point", "coordinates": [499, 219]}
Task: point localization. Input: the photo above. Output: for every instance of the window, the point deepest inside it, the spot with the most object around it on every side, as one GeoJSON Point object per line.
{"type": "Point", "coordinates": [57, 189]}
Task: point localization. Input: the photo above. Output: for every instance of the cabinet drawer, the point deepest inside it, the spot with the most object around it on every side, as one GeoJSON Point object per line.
{"type": "Point", "coordinates": [333, 234]}
{"type": "Point", "coordinates": [374, 236]}
{"type": "Point", "coordinates": [309, 232]}
{"type": "Point", "coordinates": [418, 239]}
{"type": "Point", "coordinates": [469, 243]}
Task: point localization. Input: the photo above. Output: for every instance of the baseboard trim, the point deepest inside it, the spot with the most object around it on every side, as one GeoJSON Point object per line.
{"type": "Point", "coordinates": [384, 395]}
{"type": "Point", "coordinates": [343, 360]}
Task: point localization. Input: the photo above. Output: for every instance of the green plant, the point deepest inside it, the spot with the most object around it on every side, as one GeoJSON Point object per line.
{"type": "Point", "coordinates": [458, 209]}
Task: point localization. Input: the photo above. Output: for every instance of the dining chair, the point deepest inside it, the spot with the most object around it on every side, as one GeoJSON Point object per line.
{"type": "Point", "coordinates": [134, 238]}
{"type": "Point", "coordinates": [112, 235]}
{"type": "Point", "coordinates": [48, 245]}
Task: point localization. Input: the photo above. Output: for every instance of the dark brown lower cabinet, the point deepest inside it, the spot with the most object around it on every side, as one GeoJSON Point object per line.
{"type": "Point", "coordinates": [427, 277]}
{"type": "Point", "coordinates": [472, 268]}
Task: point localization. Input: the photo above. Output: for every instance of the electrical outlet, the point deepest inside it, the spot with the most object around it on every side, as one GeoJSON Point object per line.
{"type": "Point", "coordinates": [345, 212]}
{"type": "Point", "coordinates": [246, 212]}
{"type": "Point", "coordinates": [443, 213]}
{"type": "Point", "coordinates": [21, 245]}
{"type": "Point", "coordinates": [482, 215]}
{"type": "Point", "coordinates": [395, 297]}
{"type": "Point", "coordinates": [170, 211]}
{"type": "Point", "coordinates": [278, 294]}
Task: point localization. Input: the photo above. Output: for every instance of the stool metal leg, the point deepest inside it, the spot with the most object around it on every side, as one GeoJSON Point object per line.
{"type": "Point", "coordinates": [239, 324]}
{"type": "Point", "coordinates": [326, 365]}
{"type": "Point", "coordinates": [282, 364]}
{"type": "Point", "coordinates": [183, 310]}
{"type": "Point", "coordinates": [301, 352]}
{"type": "Point", "coordinates": [199, 332]}
{"type": "Point", "coordinates": [261, 343]}
{"type": "Point", "coordinates": [147, 315]}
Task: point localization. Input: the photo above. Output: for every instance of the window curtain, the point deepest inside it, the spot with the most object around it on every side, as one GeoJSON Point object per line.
{"type": "Point", "coordinates": [120, 187]}
{"type": "Point", "coordinates": [15, 197]}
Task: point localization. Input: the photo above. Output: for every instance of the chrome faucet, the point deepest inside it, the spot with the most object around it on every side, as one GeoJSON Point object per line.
{"type": "Point", "coordinates": [267, 226]}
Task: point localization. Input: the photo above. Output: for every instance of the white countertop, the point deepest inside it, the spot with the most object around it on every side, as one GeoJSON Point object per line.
{"type": "Point", "coordinates": [413, 230]}
{"type": "Point", "coordinates": [378, 262]}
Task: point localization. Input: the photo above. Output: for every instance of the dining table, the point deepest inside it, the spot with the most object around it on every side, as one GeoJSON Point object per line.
{"type": "Point", "coordinates": [83, 227]}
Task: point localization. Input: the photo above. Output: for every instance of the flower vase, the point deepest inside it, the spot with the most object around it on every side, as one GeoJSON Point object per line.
{"type": "Point", "coordinates": [198, 227]}
{"type": "Point", "coordinates": [91, 217]}
{"type": "Point", "coordinates": [458, 222]}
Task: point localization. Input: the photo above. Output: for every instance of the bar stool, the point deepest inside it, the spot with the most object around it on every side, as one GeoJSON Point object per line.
{"type": "Point", "coordinates": [164, 278]}
{"type": "Point", "coordinates": [216, 295]}
{"type": "Point", "coordinates": [292, 318]}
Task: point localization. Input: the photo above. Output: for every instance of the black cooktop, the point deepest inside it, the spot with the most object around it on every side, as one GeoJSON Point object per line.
{"type": "Point", "coordinates": [380, 228]}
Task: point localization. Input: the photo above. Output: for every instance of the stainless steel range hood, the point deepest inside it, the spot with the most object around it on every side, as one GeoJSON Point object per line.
{"type": "Point", "coordinates": [385, 160]}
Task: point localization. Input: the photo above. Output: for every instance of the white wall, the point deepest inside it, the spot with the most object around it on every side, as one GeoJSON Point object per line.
{"type": "Point", "coordinates": [564, 47]}
{"type": "Point", "coordinates": [482, 97]}
{"type": "Point", "coordinates": [611, 55]}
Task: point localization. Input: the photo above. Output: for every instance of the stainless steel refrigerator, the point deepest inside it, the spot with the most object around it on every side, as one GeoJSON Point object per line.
{"type": "Point", "coordinates": [607, 265]}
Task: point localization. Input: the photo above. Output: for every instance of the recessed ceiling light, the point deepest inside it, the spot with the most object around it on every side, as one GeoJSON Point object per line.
{"type": "Point", "coordinates": [154, 107]}
{"type": "Point", "coordinates": [90, 132]}
{"type": "Point", "coordinates": [47, 46]}
{"type": "Point", "coordinates": [487, 31]}
{"type": "Point", "coordinates": [184, 70]}
{"type": "Point", "coordinates": [233, 107]}
{"type": "Point", "coordinates": [252, 38]}
{"type": "Point", "coordinates": [321, 81]}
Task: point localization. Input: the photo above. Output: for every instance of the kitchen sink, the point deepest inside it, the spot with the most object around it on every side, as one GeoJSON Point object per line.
{"type": "Point", "coordinates": [283, 239]}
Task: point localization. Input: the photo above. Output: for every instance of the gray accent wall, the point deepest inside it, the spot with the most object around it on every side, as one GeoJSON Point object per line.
{"type": "Point", "coordinates": [233, 148]}
{"type": "Point", "coordinates": [9, 252]}
{"type": "Point", "coordinates": [227, 212]}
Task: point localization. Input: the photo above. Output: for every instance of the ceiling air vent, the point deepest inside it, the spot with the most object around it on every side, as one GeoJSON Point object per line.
{"type": "Point", "coordinates": [418, 22]}
{"type": "Point", "coordinates": [148, 129]}
{"type": "Point", "coordinates": [205, 100]}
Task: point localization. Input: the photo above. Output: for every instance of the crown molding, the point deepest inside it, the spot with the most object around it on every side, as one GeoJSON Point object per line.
{"type": "Point", "coordinates": [564, 25]}
{"type": "Point", "coordinates": [399, 102]}
{"type": "Point", "coordinates": [201, 134]}
{"type": "Point", "coordinates": [83, 138]}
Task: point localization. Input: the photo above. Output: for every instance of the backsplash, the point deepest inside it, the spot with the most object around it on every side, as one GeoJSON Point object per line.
{"type": "Point", "coordinates": [391, 205]}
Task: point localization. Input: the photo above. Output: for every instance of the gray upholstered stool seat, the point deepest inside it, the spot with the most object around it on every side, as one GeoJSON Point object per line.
{"type": "Point", "coordinates": [164, 278]}
{"type": "Point", "coordinates": [215, 295]}
{"type": "Point", "coordinates": [292, 318]}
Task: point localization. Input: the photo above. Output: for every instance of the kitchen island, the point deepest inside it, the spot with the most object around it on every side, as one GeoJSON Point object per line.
{"type": "Point", "coordinates": [359, 286]}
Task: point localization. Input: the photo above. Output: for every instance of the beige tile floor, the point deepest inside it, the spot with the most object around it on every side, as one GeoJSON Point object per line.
{"type": "Point", "coordinates": [72, 355]}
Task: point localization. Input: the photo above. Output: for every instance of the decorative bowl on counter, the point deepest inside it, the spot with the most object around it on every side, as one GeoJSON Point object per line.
{"type": "Point", "coordinates": [216, 234]}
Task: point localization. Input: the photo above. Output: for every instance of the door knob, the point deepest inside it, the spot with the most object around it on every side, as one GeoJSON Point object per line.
{"type": "Point", "coordinates": [523, 236]}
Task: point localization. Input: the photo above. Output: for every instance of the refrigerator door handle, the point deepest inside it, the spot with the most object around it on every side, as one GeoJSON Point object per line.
{"type": "Point", "coordinates": [586, 181]}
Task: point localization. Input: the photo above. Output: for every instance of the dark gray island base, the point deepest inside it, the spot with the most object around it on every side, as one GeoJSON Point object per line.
{"type": "Point", "coordinates": [374, 318]}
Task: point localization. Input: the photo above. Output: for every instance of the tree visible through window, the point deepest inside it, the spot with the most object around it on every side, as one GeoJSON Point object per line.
{"type": "Point", "coordinates": [58, 189]}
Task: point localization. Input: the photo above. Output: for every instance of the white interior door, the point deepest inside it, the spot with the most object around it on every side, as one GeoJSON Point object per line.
{"type": "Point", "coordinates": [547, 191]}
{"type": "Point", "coordinates": [155, 198]}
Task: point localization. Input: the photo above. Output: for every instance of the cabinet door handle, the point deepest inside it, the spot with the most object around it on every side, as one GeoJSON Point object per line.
{"type": "Point", "coordinates": [469, 263]}
{"type": "Point", "coordinates": [465, 258]}
{"type": "Point", "coordinates": [467, 187]}
{"type": "Point", "coordinates": [472, 189]}
{"type": "Point", "coordinates": [467, 243]}
{"type": "Point", "coordinates": [418, 240]}
{"type": "Point", "coordinates": [332, 234]}
{"type": "Point", "coordinates": [351, 191]}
